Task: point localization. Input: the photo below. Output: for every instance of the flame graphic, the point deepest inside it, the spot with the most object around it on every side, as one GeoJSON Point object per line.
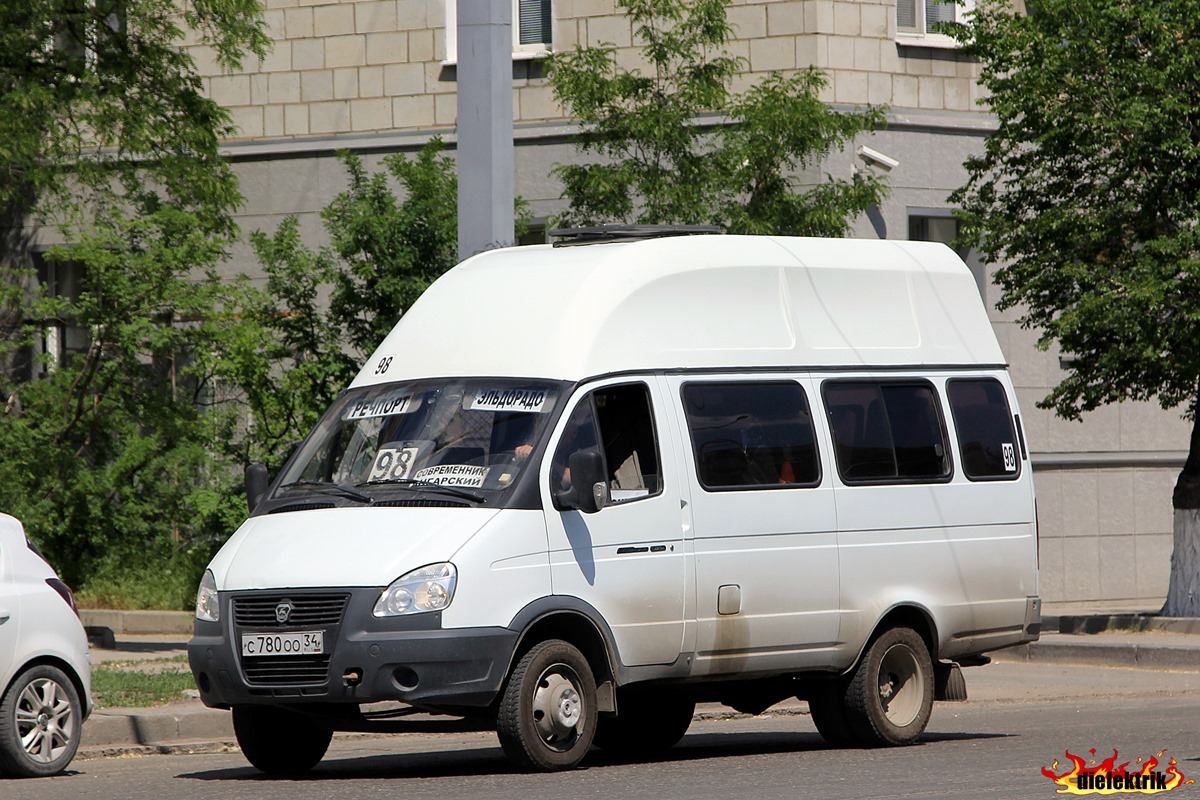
{"type": "Point", "coordinates": [1107, 769]}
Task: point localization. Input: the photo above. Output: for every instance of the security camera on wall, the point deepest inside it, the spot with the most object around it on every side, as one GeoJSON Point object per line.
{"type": "Point", "coordinates": [875, 158]}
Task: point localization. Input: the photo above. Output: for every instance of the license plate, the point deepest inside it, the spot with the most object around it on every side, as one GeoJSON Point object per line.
{"type": "Point", "coordinates": [297, 643]}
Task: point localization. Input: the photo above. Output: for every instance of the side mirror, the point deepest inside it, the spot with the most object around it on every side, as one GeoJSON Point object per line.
{"type": "Point", "coordinates": [257, 482]}
{"type": "Point", "coordinates": [589, 489]}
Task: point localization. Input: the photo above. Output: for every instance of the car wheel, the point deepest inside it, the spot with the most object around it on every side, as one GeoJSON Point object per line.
{"type": "Point", "coordinates": [40, 719]}
{"type": "Point", "coordinates": [648, 722]}
{"type": "Point", "coordinates": [828, 711]}
{"type": "Point", "coordinates": [278, 741]}
{"type": "Point", "coordinates": [890, 696]}
{"type": "Point", "coordinates": [547, 714]}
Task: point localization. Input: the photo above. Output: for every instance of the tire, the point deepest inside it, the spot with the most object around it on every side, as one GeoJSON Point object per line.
{"type": "Point", "coordinates": [547, 714]}
{"type": "Point", "coordinates": [890, 695]}
{"type": "Point", "coordinates": [278, 741]}
{"type": "Point", "coordinates": [828, 711]}
{"type": "Point", "coordinates": [648, 722]}
{"type": "Point", "coordinates": [40, 723]}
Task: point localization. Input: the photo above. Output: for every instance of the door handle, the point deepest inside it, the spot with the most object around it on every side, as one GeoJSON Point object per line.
{"type": "Point", "coordinates": [5, 616]}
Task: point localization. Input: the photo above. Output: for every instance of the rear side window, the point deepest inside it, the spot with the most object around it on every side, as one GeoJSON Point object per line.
{"type": "Point", "coordinates": [887, 432]}
{"type": "Point", "coordinates": [748, 435]}
{"type": "Point", "coordinates": [987, 438]}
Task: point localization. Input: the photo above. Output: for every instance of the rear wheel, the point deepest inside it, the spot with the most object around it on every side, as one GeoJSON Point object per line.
{"type": "Point", "coordinates": [547, 714]}
{"type": "Point", "coordinates": [890, 695]}
{"type": "Point", "coordinates": [828, 710]}
{"type": "Point", "coordinates": [278, 741]}
{"type": "Point", "coordinates": [648, 722]}
{"type": "Point", "coordinates": [40, 719]}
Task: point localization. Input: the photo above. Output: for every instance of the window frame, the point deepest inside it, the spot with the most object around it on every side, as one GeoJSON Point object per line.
{"type": "Point", "coordinates": [589, 397]}
{"type": "Point", "coordinates": [520, 52]}
{"type": "Point", "coordinates": [921, 36]}
{"type": "Point", "coordinates": [939, 409]}
{"type": "Point", "coordinates": [1019, 452]}
{"type": "Point", "coordinates": [687, 425]}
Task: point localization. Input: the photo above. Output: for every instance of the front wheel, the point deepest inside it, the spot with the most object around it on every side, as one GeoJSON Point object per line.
{"type": "Point", "coordinates": [890, 696]}
{"type": "Point", "coordinates": [40, 719]}
{"type": "Point", "coordinates": [547, 714]}
{"type": "Point", "coordinates": [278, 741]}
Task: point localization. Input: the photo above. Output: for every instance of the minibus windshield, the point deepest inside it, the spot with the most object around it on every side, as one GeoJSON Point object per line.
{"type": "Point", "coordinates": [465, 439]}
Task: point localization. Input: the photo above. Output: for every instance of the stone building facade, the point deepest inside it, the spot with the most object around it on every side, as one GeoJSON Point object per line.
{"type": "Point", "coordinates": [378, 76]}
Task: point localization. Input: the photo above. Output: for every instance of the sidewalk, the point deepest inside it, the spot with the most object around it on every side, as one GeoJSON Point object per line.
{"type": "Point", "coordinates": [1123, 637]}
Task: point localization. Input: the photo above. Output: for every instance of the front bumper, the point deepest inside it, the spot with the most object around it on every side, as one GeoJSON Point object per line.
{"type": "Point", "coordinates": [408, 659]}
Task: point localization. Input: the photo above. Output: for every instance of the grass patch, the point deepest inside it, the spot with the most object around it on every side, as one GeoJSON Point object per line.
{"type": "Point", "coordinates": [139, 684]}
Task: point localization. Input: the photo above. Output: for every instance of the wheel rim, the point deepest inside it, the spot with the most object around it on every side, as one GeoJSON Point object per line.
{"type": "Point", "coordinates": [45, 720]}
{"type": "Point", "coordinates": [558, 709]}
{"type": "Point", "coordinates": [901, 685]}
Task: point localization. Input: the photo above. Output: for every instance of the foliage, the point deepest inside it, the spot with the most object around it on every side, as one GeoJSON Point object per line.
{"type": "Point", "coordinates": [117, 457]}
{"type": "Point", "coordinates": [111, 459]}
{"type": "Point", "coordinates": [1087, 194]}
{"type": "Point", "coordinates": [659, 164]}
{"type": "Point", "coordinates": [325, 309]}
{"type": "Point", "coordinates": [391, 250]}
{"type": "Point", "coordinates": [99, 101]}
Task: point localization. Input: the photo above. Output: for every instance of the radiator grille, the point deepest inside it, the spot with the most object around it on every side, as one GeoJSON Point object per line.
{"type": "Point", "coordinates": [287, 670]}
{"type": "Point", "coordinates": [258, 611]}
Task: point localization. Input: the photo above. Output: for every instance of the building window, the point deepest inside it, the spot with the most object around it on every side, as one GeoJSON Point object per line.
{"type": "Point", "coordinates": [532, 29]}
{"type": "Point", "coordinates": [87, 32]}
{"type": "Point", "coordinates": [917, 21]}
{"type": "Point", "coordinates": [940, 225]}
{"type": "Point", "coordinates": [61, 338]}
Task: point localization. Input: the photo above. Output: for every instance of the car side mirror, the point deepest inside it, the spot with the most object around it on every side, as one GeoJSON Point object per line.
{"type": "Point", "coordinates": [257, 481]}
{"type": "Point", "coordinates": [589, 489]}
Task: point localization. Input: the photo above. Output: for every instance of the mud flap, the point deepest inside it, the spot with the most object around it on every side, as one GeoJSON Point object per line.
{"type": "Point", "coordinates": [948, 682]}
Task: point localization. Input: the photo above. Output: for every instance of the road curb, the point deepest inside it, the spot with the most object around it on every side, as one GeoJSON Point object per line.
{"type": "Point", "coordinates": [152, 727]}
{"type": "Point", "coordinates": [1132, 623]}
{"type": "Point", "coordinates": [138, 622]}
{"type": "Point", "coordinates": [1106, 655]}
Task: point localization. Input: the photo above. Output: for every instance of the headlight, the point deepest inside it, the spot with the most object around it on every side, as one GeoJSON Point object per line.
{"type": "Point", "coordinates": [207, 608]}
{"type": "Point", "coordinates": [426, 589]}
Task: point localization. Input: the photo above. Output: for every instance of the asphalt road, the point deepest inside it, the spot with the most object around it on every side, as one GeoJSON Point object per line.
{"type": "Point", "coordinates": [1021, 717]}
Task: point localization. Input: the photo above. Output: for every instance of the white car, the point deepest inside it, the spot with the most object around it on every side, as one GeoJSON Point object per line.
{"type": "Point", "coordinates": [45, 674]}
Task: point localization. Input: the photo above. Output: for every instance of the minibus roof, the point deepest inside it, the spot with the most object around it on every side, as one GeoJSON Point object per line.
{"type": "Point", "coordinates": [707, 302]}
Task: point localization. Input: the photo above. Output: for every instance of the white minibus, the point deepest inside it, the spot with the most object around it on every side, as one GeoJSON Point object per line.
{"type": "Point", "coordinates": [580, 488]}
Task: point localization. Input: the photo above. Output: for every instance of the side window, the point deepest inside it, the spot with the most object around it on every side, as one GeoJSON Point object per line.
{"type": "Point", "coordinates": [751, 434]}
{"type": "Point", "coordinates": [618, 420]}
{"type": "Point", "coordinates": [886, 431]}
{"type": "Point", "coordinates": [987, 440]}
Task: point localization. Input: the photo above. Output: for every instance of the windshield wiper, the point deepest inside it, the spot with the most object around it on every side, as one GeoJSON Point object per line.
{"type": "Point", "coordinates": [420, 484]}
{"type": "Point", "coordinates": [329, 488]}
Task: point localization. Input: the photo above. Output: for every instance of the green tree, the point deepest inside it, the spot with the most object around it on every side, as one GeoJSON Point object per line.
{"type": "Point", "coordinates": [391, 249]}
{"type": "Point", "coordinates": [325, 309]}
{"type": "Point", "coordinates": [1088, 196]}
{"type": "Point", "coordinates": [115, 457]}
{"type": "Point", "coordinates": [677, 145]}
{"type": "Point", "coordinates": [99, 101]}
{"type": "Point", "coordinates": [111, 458]}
